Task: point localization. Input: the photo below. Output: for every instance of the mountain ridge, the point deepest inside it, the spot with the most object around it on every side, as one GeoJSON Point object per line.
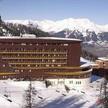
{"type": "Point", "coordinates": [80, 24]}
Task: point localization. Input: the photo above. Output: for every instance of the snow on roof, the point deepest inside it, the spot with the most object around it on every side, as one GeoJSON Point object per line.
{"type": "Point", "coordinates": [103, 58]}
{"type": "Point", "coordinates": [84, 62]}
{"type": "Point", "coordinates": [56, 38]}
{"type": "Point", "coordinates": [32, 37]}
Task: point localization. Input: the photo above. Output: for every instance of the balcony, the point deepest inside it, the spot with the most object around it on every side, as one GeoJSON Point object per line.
{"type": "Point", "coordinates": [32, 52]}
{"type": "Point", "coordinates": [8, 58]}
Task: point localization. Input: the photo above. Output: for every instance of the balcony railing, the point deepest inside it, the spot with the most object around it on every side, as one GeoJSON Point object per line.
{"type": "Point", "coordinates": [70, 73]}
{"type": "Point", "coordinates": [7, 73]}
{"type": "Point", "coordinates": [55, 67]}
{"type": "Point", "coordinates": [35, 63]}
{"type": "Point", "coordinates": [32, 52]}
{"type": "Point", "coordinates": [34, 58]}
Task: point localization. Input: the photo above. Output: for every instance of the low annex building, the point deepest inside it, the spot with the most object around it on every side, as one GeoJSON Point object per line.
{"type": "Point", "coordinates": [100, 67]}
{"type": "Point", "coordinates": [50, 58]}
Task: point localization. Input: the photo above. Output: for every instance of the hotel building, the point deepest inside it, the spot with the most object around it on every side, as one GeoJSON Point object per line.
{"type": "Point", "coordinates": [49, 58]}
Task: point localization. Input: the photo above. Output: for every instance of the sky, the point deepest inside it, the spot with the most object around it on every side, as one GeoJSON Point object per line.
{"type": "Point", "coordinates": [95, 10]}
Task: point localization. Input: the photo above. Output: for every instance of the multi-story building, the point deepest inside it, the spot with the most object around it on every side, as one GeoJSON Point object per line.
{"type": "Point", "coordinates": [54, 59]}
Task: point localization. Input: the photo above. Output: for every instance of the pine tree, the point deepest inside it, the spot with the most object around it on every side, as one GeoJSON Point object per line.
{"type": "Point", "coordinates": [29, 96]}
{"type": "Point", "coordinates": [103, 99]}
{"type": "Point", "coordinates": [105, 94]}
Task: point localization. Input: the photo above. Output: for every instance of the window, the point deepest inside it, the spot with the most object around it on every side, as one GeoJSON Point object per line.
{"type": "Point", "coordinates": [30, 44]}
{"type": "Point", "coordinates": [71, 82]}
{"type": "Point", "coordinates": [4, 76]}
{"type": "Point", "coordinates": [22, 49]}
{"type": "Point", "coordinates": [30, 70]}
{"type": "Point", "coordinates": [23, 44]}
{"type": "Point", "coordinates": [53, 60]}
{"type": "Point", "coordinates": [78, 82]}
{"type": "Point", "coordinates": [12, 43]}
{"type": "Point", "coordinates": [21, 70]}
{"type": "Point", "coordinates": [28, 65]}
{"type": "Point", "coordinates": [17, 54]}
{"type": "Point", "coordinates": [52, 65]}
{"type": "Point", "coordinates": [9, 65]}
{"type": "Point", "coordinates": [16, 70]}
{"type": "Point", "coordinates": [65, 44]}
{"type": "Point", "coordinates": [47, 65]}
{"type": "Point", "coordinates": [53, 82]}
{"type": "Point", "coordinates": [46, 44]}
{"type": "Point", "coordinates": [4, 65]}
{"type": "Point", "coordinates": [55, 49]}
{"type": "Point", "coordinates": [61, 82]}
{"type": "Point", "coordinates": [59, 65]}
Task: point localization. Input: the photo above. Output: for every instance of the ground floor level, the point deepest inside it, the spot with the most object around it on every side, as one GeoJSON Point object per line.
{"type": "Point", "coordinates": [72, 83]}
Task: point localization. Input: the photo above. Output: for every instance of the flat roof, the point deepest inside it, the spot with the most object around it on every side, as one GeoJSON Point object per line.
{"type": "Point", "coordinates": [45, 38]}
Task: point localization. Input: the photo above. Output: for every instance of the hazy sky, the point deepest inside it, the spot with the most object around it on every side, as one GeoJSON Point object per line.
{"type": "Point", "coordinates": [95, 10]}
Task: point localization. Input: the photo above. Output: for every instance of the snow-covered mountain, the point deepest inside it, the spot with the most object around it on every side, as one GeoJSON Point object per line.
{"type": "Point", "coordinates": [83, 29]}
{"type": "Point", "coordinates": [81, 25]}
{"type": "Point", "coordinates": [88, 36]}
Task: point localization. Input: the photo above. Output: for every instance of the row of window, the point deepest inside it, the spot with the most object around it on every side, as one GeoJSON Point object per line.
{"type": "Point", "coordinates": [70, 82]}
{"type": "Point", "coordinates": [37, 44]}
{"type": "Point", "coordinates": [33, 49]}
{"type": "Point", "coordinates": [34, 55]}
{"type": "Point", "coordinates": [78, 82]}
{"type": "Point", "coordinates": [36, 60]}
{"type": "Point", "coordinates": [34, 66]}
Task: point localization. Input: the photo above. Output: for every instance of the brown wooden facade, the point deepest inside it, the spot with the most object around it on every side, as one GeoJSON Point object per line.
{"type": "Point", "coordinates": [40, 58]}
{"type": "Point", "coordinates": [100, 67]}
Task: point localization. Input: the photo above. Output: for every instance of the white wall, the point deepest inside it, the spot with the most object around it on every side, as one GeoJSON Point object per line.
{"type": "Point", "coordinates": [71, 83]}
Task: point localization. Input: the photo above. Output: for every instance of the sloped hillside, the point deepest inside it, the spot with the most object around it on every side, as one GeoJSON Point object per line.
{"type": "Point", "coordinates": [13, 95]}
{"type": "Point", "coordinates": [10, 29]}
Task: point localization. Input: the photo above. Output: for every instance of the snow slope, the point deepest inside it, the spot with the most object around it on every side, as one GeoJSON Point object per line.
{"type": "Point", "coordinates": [52, 97]}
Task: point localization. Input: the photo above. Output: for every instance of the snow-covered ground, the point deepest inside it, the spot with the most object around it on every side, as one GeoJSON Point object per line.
{"type": "Point", "coordinates": [12, 95]}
